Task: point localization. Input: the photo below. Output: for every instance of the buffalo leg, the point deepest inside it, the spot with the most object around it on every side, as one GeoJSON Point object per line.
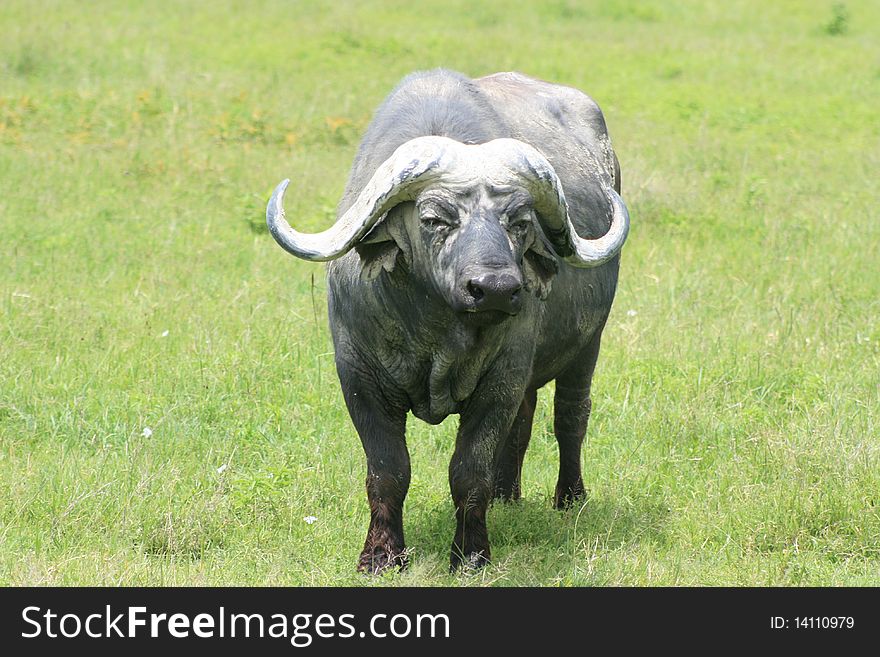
{"type": "Point", "coordinates": [471, 475]}
{"type": "Point", "coordinates": [571, 413]}
{"type": "Point", "coordinates": [509, 462]}
{"type": "Point", "coordinates": [383, 435]}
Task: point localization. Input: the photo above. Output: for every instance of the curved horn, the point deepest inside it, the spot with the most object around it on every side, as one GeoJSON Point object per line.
{"type": "Point", "coordinates": [419, 160]}
{"type": "Point", "coordinates": [422, 160]}
{"type": "Point", "coordinates": [549, 200]}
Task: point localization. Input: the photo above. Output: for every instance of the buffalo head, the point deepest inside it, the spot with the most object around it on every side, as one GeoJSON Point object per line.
{"type": "Point", "coordinates": [477, 224]}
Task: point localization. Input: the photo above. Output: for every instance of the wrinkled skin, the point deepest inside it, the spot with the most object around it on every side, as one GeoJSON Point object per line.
{"type": "Point", "coordinates": [456, 305]}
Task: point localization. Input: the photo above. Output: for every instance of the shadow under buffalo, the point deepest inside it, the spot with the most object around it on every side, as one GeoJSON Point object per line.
{"type": "Point", "coordinates": [533, 522]}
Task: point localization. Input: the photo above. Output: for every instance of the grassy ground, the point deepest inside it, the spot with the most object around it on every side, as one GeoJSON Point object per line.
{"type": "Point", "coordinates": [169, 410]}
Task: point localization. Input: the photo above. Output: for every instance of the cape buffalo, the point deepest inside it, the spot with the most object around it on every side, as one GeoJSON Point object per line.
{"type": "Point", "coordinates": [474, 259]}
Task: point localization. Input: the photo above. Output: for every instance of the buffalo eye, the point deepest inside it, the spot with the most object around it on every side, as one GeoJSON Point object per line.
{"type": "Point", "coordinates": [438, 216]}
{"type": "Point", "coordinates": [519, 220]}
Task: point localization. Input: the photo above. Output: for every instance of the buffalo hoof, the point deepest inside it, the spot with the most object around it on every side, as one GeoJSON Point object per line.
{"type": "Point", "coordinates": [568, 496]}
{"type": "Point", "coordinates": [379, 560]}
{"type": "Point", "coordinates": [470, 563]}
{"type": "Point", "coordinates": [507, 494]}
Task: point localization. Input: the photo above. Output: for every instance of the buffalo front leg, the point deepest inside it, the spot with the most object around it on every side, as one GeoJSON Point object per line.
{"type": "Point", "coordinates": [471, 477]}
{"type": "Point", "coordinates": [382, 431]}
{"type": "Point", "coordinates": [571, 413]}
{"type": "Point", "coordinates": [512, 450]}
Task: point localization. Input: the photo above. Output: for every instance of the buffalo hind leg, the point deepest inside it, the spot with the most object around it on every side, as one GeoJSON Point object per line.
{"type": "Point", "coordinates": [571, 413]}
{"type": "Point", "coordinates": [509, 461]}
{"type": "Point", "coordinates": [383, 435]}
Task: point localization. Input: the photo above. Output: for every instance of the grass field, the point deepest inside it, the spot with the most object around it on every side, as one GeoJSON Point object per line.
{"type": "Point", "coordinates": [169, 409]}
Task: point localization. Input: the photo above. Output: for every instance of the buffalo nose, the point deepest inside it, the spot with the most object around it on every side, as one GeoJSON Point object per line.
{"type": "Point", "coordinates": [496, 292]}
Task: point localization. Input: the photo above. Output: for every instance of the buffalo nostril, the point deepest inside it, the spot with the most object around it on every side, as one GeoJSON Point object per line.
{"type": "Point", "coordinates": [475, 290]}
{"type": "Point", "coordinates": [512, 290]}
{"type": "Point", "coordinates": [495, 292]}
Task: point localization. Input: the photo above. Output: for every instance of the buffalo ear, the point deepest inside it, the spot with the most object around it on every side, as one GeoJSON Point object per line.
{"type": "Point", "coordinates": [376, 257]}
{"type": "Point", "coordinates": [380, 249]}
{"type": "Point", "coordinates": [539, 266]}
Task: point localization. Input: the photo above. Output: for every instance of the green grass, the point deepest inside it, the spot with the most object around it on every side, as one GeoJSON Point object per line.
{"type": "Point", "coordinates": [736, 428]}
